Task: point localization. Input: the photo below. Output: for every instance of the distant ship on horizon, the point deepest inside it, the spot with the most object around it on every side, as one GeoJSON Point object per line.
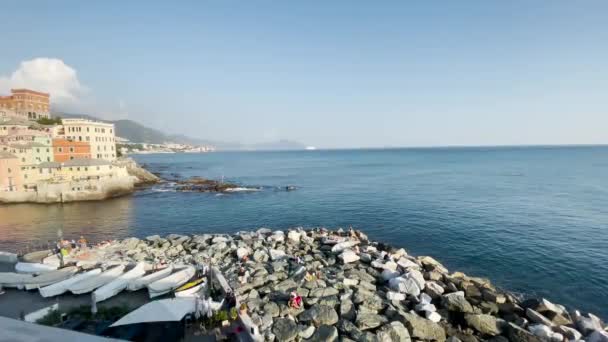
{"type": "Point", "coordinates": [310, 148]}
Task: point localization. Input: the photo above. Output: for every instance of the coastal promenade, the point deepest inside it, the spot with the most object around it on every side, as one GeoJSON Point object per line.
{"type": "Point", "coordinates": [352, 288]}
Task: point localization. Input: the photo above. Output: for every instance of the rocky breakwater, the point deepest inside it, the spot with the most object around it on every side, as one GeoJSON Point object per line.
{"type": "Point", "coordinates": [354, 289]}
{"type": "Point", "coordinates": [140, 174]}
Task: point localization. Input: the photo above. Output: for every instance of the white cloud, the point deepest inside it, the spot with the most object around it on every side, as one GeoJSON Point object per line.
{"type": "Point", "coordinates": [49, 75]}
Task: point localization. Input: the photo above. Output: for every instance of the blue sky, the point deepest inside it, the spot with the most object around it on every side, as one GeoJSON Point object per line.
{"type": "Point", "coordinates": [326, 73]}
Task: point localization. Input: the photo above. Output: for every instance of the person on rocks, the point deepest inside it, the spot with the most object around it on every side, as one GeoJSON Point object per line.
{"type": "Point", "coordinates": [295, 301]}
{"type": "Point", "coordinates": [82, 242]}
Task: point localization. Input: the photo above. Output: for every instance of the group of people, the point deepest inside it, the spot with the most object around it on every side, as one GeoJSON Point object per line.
{"type": "Point", "coordinates": [64, 247]}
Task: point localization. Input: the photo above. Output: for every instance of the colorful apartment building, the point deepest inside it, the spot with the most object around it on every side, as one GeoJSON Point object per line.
{"type": "Point", "coordinates": [100, 135]}
{"type": "Point", "coordinates": [80, 169]}
{"type": "Point", "coordinates": [26, 104]}
{"type": "Point", "coordinates": [66, 149]}
{"type": "Point", "coordinates": [10, 172]}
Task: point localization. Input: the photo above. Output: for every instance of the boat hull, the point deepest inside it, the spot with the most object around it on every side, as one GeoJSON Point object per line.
{"type": "Point", "coordinates": [93, 283]}
{"type": "Point", "coordinates": [119, 284]}
{"type": "Point", "coordinates": [140, 283]}
{"type": "Point", "coordinates": [33, 268]}
{"type": "Point", "coordinates": [170, 283]}
{"type": "Point", "coordinates": [62, 286]}
{"type": "Point", "coordinates": [50, 278]}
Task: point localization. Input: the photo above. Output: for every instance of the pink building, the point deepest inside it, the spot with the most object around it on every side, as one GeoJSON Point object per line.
{"type": "Point", "coordinates": [10, 172]}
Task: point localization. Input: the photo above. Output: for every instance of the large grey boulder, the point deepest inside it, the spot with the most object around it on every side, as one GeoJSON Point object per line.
{"type": "Point", "coordinates": [347, 310]}
{"type": "Point", "coordinates": [404, 285]}
{"type": "Point", "coordinates": [457, 302]}
{"type": "Point", "coordinates": [537, 317]}
{"type": "Point", "coordinates": [285, 329]}
{"type": "Point", "coordinates": [325, 333]}
{"type": "Point", "coordinates": [485, 324]}
{"type": "Point", "coordinates": [323, 292]}
{"type": "Point", "coordinates": [319, 315]}
{"type": "Point", "coordinates": [367, 321]}
{"type": "Point", "coordinates": [393, 332]}
{"type": "Point", "coordinates": [598, 336]}
{"type": "Point", "coordinates": [422, 329]}
{"type": "Point", "coordinates": [517, 334]}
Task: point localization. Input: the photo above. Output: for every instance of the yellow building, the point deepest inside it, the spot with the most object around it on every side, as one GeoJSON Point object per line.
{"type": "Point", "coordinates": [80, 170]}
{"type": "Point", "coordinates": [100, 135]}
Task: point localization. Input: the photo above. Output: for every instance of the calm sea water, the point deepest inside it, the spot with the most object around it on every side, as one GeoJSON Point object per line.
{"type": "Point", "coordinates": [533, 220]}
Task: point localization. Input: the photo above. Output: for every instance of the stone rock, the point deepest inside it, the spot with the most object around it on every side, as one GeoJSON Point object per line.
{"type": "Point", "coordinates": [323, 292]}
{"type": "Point", "coordinates": [350, 282]}
{"type": "Point", "coordinates": [417, 277]}
{"type": "Point", "coordinates": [347, 310]}
{"type": "Point", "coordinates": [407, 263]}
{"type": "Point", "coordinates": [390, 295]}
{"type": "Point", "coordinates": [325, 333]}
{"type": "Point", "coordinates": [286, 286]}
{"type": "Point", "coordinates": [242, 252]}
{"type": "Point", "coordinates": [587, 325]}
{"type": "Point", "coordinates": [342, 246]}
{"type": "Point", "coordinates": [388, 274]}
{"type": "Point", "coordinates": [485, 324]}
{"type": "Point", "coordinates": [319, 315]}
{"type": "Point", "coordinates": [425, 307]}
{"type": "Point", "coordinates": [260, 256]}
{"type": "Point", "coordinates": [423, 329]}
{"type": "Point", "coordinates": [393, 332]}
{"type": "Point", "coordinates": [541, 331]}
{"type": "Point", "coordinates": [367, 286]}
{"type": "Point", "coordinates": [457, 302]}
{"type": "Point", "coordinates": [349, 256]}
{"type": "Point", "coordinates": [293, 236]}
{"type": "Point", "coordinates": [433, 316]}
{"type": "Point", "coordinates": [517, 334]}
{"type": "Point", "coordinates": [306, 331]}
{"type": "Point", "coordinates": [433, 289]}
{"type": "Point", "coordinates": [538, 318]}
{"type": "Point", "coordinates": [570, 333]}
{"type": "Point", "coordinates": [598, 336]}
{"type": "Point", "coordinates": [285, 329]}
{"type": "Point", "coordinates": [365, 257]}
{"type": "Point", "coordinates": [431, 264]}
{"type": "Point", "coordinates": [277, 254]}
{"type": "Point", "coordinates": [367, 321]}
{"type": "Point", "coordinates": [404, 285]}
{"type": "Point", "coordinates": [272, 309]}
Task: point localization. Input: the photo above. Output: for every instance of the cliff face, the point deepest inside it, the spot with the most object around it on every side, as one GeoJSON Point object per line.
{"type": "Point", "coordinates": [72, 191]}
{"type": "Point", "coordinates": [141, 175]}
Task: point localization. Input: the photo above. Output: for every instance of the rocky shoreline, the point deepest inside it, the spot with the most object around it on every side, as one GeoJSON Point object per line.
{"type": "Point", "coordinates": [354, 289]}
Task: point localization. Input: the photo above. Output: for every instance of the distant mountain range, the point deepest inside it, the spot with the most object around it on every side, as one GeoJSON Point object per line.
{"type": "Point", "coordinates": [138, 133]}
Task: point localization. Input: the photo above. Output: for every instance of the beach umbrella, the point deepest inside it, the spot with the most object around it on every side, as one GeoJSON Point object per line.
{"type": "Point", "coordinates": [164, 310]}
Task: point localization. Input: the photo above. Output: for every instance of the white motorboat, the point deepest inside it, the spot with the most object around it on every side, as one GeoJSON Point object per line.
{"type": "Point", "coordinates": [50, 278]}
{"type": "Point", "coordinates": [191, 288]}
{"type": "Point", "coordinates": [62, 286]}
{"type": "Point", "coordinates": [140, 283]}
{"type": "Point", "coordinates": [8, 257]}
{"type": "Point", "coordinates": [117, 285]}
{"type": "Point", "coordinates": [92, 283]}
{"type": "Point", "coordinates": [33, 267]}
{"type": "Point", "coordinates": [170, 283]}
{"type": "Point", "coordinates": [12, 279]}
{"type": "Point", "coordinates": [36, 256]}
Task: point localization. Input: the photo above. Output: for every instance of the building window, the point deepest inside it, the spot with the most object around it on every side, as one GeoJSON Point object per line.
{"type": "Point", "coordinates": [60, 149]}
{"type": "Point", "coordinates": [71, 157]}
{"type": "Point", "coordinates": [9, 170]}
{"type": "Point", "coordinates": [23, 160]}
{"type": "Point", "coordinates": [71, 149]}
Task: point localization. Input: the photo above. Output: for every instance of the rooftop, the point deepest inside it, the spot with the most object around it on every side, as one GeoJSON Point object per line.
{"type": "Point", "coordinates": [23, 90]}
{"type": "Point", "coordinates": [75, 121]}
{"type": "Point", "coordinates": [86, 162]}
{"type": "Point", "coordinates": [49, 165]}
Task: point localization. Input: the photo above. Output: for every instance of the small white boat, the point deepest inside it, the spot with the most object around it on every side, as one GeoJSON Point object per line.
{"type": "Point", "coordinates": [140, 283]}
{"type": "Point", "coordinates": [32, 267]}
{"type": "Point", "coordinates": [50, 278]}
{"type": "Point", "coordinates": [170, 283]}
{"type": "Point", "coordinates": [92, 283]}
{"type": "Point", "coordinates": [36, 256]}
{"type": "Point", "coordinates": [191, 288]}
{"type": "Point", "coordinates": [117, 285]}
{"type": "Point", "coordinates": [11, 279]}
{"type": "Point", "coordinates": [62, 286]}
{"type": "Point", "coordinates": [8, 257]}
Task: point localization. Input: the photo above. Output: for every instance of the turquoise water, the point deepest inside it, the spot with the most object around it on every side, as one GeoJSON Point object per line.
{"type": "Point", "coordinates": [533, 219]}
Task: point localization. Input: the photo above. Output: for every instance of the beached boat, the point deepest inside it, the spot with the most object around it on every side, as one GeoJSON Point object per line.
{"type": "Point", "coordinates": [170, 283]}
{"type": "Point", "coordinates": [140, 283]}
{"type": "Point", "coordinates": [190, 288]}
{"type": "Point", "coordinates": [95, 282]}
{"type": "Point", "coordinates": [62, 286]}
{"type": "Point", "coordinates": [117, 285]}
{"type": "Point", "coordinates": [33, 267]}
{"type": "Point", "coordinates": [36, 256]}
{"type": "Point", "coordinates": [8, 257]}
{"type": "Point", "coordinates": [50, 278]}
{"type": "Point", "coordinates": [12, 279]}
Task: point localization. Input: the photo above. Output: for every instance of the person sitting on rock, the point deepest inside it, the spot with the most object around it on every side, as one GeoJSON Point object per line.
{"type": "Point", "coordinates": [295, 301]}
{"type": "Point", "coordinates": [82, 242]}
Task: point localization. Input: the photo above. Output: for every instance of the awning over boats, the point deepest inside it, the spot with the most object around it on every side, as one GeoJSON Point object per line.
{"type": "Point", "coordinates": [164, 310]}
